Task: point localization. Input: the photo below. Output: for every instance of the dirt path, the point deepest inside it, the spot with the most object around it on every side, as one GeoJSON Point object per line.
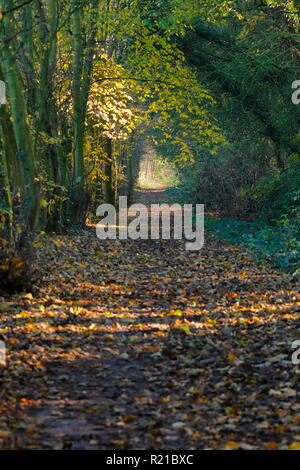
{"type": "Point", "coordinates": [143, 345]}
{"type": "Point", "coordinates": [157, 195]}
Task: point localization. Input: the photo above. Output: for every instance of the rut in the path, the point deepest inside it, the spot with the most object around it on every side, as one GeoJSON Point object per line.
{"type": "Point", "coordinates": [143, 345]}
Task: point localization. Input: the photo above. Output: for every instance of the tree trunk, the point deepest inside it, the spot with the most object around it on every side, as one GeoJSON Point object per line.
{"type": "Point", "coordinates": [30, 190]}
{"type": "Point", "coordinates": [108, 189]}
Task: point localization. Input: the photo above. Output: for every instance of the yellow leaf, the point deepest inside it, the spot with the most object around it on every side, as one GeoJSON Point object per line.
{"type": "Point", "coordinates": [231, 445]}
{"type": "Point", "coordinates": [133, 339]}
{"type": "Point", "coordinates": [38, 245]}
{"type": "Point", "coordinates": [175, 313]}
{"type": "Point", "coordinates": [165, 399]}
{"type": "Point", "coordinates": [186, 329]}
{"type": "Point", "coordinates": [294, 446]}
{"type": "Point", "coordinates": [25, 314]}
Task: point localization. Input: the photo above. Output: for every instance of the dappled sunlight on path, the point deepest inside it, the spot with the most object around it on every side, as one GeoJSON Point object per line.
{"type": "Point", "coordinates": [142, 345]}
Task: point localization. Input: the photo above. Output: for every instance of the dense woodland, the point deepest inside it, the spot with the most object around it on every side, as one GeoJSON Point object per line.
{"type": "Point", "coordinates": [210, 82]}
{"type": "Point", "coordinates": [211, 88]}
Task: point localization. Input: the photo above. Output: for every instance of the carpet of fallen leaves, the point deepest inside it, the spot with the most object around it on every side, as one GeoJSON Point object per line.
{"type": "Point", "coordinates": [143, 345]}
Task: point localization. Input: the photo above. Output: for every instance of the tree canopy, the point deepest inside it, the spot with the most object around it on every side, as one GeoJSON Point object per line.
{"type": "Point", "coordinates": [209, 82]}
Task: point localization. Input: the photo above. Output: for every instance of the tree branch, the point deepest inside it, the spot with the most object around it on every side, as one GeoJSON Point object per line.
{"type": "Point", "coordinates": [17, 7]}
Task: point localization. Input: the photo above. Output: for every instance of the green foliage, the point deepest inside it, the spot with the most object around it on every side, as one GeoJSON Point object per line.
{"type": "Point", "coordinates": [278, 244]}
{"type": "Point", "coordinates": [248, 61]}
{"type": "Point", "coordinates": [278, 198]}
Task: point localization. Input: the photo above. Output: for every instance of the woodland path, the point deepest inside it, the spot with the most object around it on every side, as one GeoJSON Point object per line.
{"type": "Point", "coordinates": [143, 345]}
